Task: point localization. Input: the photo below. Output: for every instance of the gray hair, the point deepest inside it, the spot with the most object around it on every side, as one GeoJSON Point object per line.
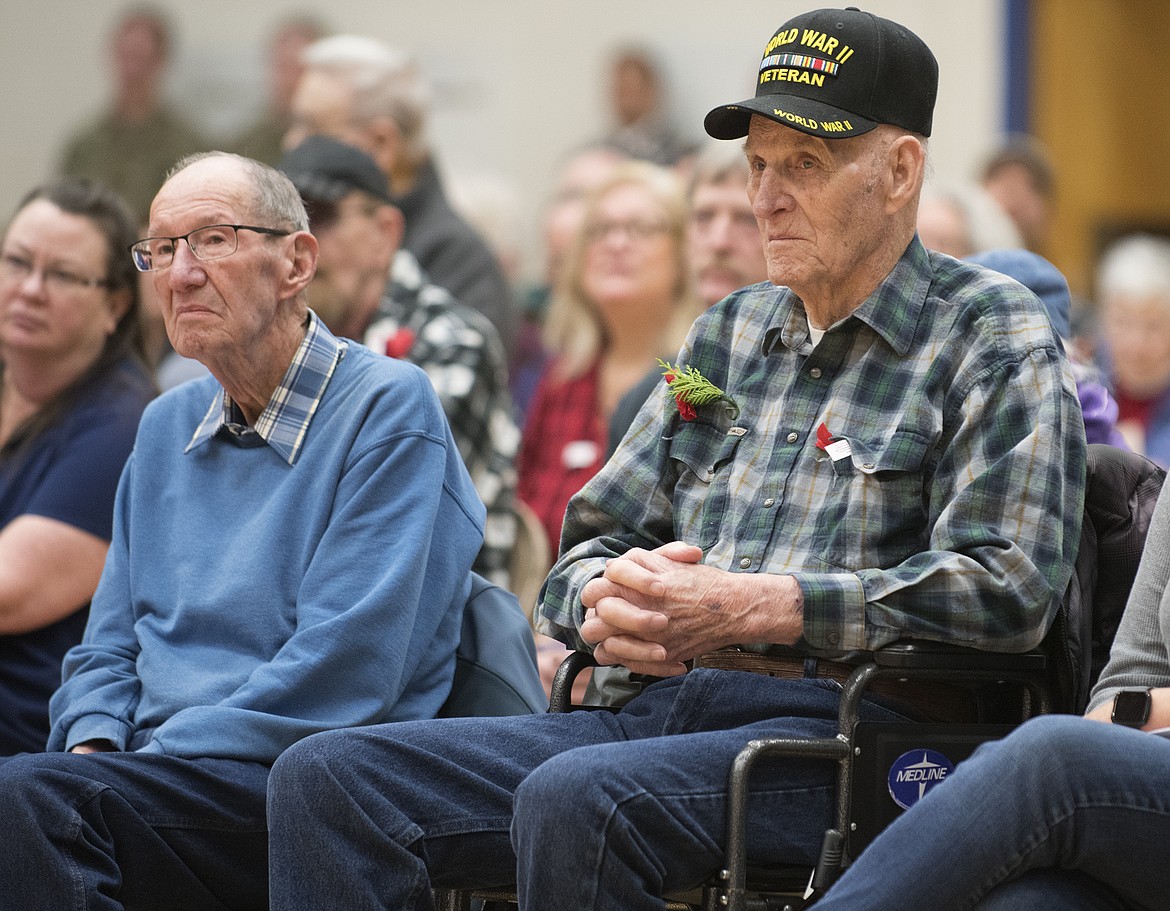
{"type": "Point", "coordinates": [719, 161]}
{"type": "Point", "coordinates": [1138, 266]}
{"type": "Point", "coordinates": [385, 82]}
{"type": "Point", "coordinates": [275, 202]}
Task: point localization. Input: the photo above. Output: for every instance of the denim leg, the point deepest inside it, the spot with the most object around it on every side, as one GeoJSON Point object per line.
{"type": "Point", "coordinates": [371, 818]}
{"type": "Point", "coordinates": [618, 825]}
{"type": "Point", "coordinates": [1059, 792]}
{"type": "Point", "coordinates": [123, 830]}
{"type": "Point", "coordinates": [1044, 890]}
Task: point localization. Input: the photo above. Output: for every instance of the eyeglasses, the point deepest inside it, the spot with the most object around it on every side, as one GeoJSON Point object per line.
{"type": "Point", "coordinates": [16, 268]}
{"type": "Point", "coordinates": [633, 229]}
{"type": "Point", "coordinates": [207, 243]}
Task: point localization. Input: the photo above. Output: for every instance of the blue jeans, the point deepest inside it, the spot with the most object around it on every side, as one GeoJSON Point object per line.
{"type": "Point", "coordinates": [1063, 813]}
{"type": "Point", "coordinates": [126, 830]}
{"type": "Point", "coordinates": [580, 810]}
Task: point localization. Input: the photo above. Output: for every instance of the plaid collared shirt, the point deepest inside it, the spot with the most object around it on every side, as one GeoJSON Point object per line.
{"type": "Point", "coordinates": [464, 360]}
{"type": "Point", "coordinates": [285, 419]}
{"type": "Point", "coordinates": [948, 508]}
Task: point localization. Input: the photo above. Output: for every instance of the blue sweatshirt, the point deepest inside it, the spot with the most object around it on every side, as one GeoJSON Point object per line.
{"type": "Point", "coordinates": [247, 603]}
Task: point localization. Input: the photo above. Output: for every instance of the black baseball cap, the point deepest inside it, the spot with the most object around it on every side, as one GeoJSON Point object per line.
{"type": "Point", "coordinates": [324, 168]}
{"type": "Point", "coordinates": [837, 73]}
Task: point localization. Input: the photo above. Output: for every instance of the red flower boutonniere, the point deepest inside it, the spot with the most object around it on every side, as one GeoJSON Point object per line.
{"type": "Point", "coordinates": [689, 388]}
{"type": "Point", "coordinates": [400, 343]}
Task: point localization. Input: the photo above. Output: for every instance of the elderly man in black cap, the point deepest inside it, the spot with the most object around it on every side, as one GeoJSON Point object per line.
{"type": "Point", "coordinates": [882, 442]}
{"type": "Point", "coordinates": [369, 288]}
{"type": "Point", "coordinates": [359, 90]}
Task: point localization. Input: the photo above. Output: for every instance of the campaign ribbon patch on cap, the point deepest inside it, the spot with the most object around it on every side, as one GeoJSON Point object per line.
{"type": "Point", "coordinates": [916, 772]}
{"type": "Point", "coordinates": [817, 64]}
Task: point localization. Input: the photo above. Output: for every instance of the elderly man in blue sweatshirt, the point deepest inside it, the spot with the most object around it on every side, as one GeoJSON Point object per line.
{"type": "Point", "coordinates": [292, 545]}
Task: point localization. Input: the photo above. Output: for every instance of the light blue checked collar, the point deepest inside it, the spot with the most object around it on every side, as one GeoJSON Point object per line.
{"type": "Point", "coordinates": [285, 419]}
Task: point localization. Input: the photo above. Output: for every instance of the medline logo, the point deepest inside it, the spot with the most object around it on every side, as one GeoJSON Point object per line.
{"type": "Point", "coordinates": [915, 773]}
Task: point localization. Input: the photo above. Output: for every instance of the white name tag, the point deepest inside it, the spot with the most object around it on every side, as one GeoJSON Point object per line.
{"type": "Point", "coordinates": [580, 454]}
{"type": "Point", "coordinates": [838, 450]}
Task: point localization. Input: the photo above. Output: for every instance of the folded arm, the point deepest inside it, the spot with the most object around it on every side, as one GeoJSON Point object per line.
{"type": "Point", "coordinates": [48, 569]}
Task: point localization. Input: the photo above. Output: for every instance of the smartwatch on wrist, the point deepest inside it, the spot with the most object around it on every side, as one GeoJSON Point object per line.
{"type": "Point", "coordinates": [1131, 708]}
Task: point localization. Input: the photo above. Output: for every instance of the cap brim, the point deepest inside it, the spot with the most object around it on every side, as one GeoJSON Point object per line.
{"type": "Point", "coordinates": [730, 121]}
{"type": "Point", "coordinates": [319, 186]}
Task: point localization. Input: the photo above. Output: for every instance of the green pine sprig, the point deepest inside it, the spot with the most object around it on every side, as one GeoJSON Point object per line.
{"type": "Point", "coordinates": [689, 385]}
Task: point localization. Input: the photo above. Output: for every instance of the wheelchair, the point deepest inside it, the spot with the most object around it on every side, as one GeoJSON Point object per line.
{"type": "Point", "coordinates": [877, 763]}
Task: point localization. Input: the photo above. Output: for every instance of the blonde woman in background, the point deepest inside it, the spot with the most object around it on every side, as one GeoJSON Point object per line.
{"type": "Point", "coordinates": [624, 299]}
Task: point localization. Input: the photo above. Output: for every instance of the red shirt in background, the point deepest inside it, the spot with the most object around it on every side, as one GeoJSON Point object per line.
{"type": "Point", "coordinates": [563, 445]}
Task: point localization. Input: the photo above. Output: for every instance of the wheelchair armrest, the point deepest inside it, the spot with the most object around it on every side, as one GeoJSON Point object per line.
{"type": "Point", "coordinates": [910, 654]}
{"type": "Point", "coordinates": [561, 698]}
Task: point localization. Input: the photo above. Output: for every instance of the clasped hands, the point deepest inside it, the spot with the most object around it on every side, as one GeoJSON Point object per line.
{"type": "Point", "coordinates": [651, 611]}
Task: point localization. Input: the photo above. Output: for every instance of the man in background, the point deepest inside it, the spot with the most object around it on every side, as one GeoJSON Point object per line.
{"type": "Point", "coordinates": [370, 289]}
{"type": "Point", "coordinates": [131, 146]}
{"type": "Point", "coordinates": [642, 126]}
{"type": "Point", "coordinates": [363, 93]}
{"type": "Point", "coordinates": [263, 140]}
{"type": "Point", "coordinates": [1020, 177]}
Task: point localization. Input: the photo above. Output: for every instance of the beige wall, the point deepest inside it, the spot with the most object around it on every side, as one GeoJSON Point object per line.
{"type": "Point", "coordinates": [518, 82]}
{"type": "Point", "coordinates": [1104, 122]}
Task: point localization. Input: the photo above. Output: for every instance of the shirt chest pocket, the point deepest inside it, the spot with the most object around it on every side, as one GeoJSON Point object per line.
{"type": "Point", "coordinates": [702, 455]}
{"type": "Point", "coordinates": [878, 505]}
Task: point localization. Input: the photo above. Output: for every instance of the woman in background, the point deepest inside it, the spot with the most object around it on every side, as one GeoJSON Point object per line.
{"type": "Point", "coordinates": [73, 385]}
{"type": "Point", "coordinates": [624, 298]}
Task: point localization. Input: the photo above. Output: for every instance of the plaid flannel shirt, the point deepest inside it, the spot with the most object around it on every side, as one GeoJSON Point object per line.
{"type": "Point", "coordinates": [464, 359]}
{"type": "Point", "coordinates": [285, 419]}
{"type": "Point", "coordinates": [951, 508]}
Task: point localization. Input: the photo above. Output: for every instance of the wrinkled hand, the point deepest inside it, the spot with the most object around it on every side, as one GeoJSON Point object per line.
{"type": "Point", "coordinates": [653, 610]}
{"type": "Point", "coordinates": [94, 746]}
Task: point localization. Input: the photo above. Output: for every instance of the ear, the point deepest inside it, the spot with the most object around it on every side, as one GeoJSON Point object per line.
{"type": "Point", "coordinates": [118, 303]}
{"type": "Point", "coordinates": [301, 264]}
{"type": "Point", "coordinates": [386, 143]}
{"type": "Point", "coordinates": [907, 163]}
{"type": "Point", "coordinates": [391, 226]}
